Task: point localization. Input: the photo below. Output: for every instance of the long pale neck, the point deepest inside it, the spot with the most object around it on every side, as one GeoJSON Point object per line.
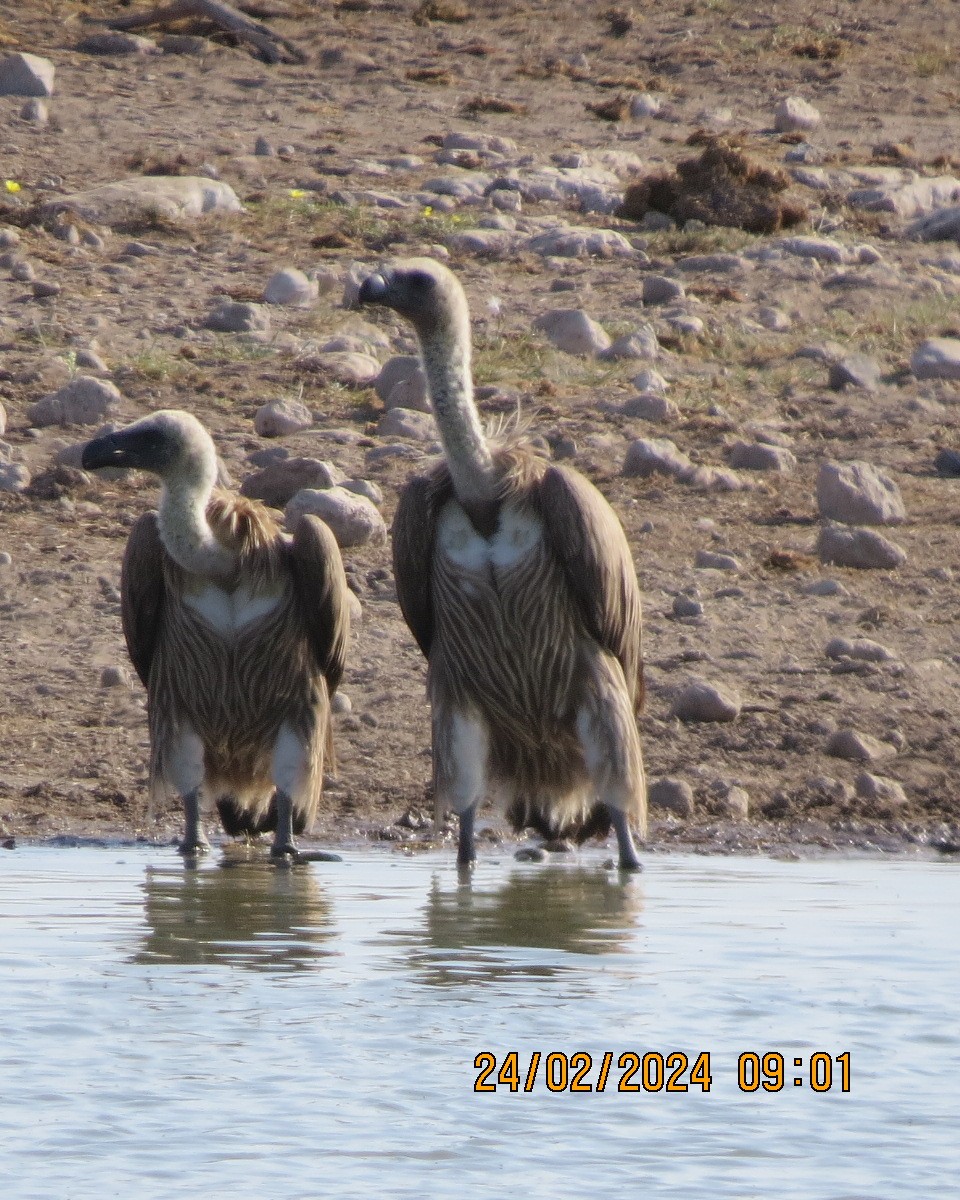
{"type": "Point", "coordinates": [446, 364]}
{"type": "Point", "coordinates": [184, 528]}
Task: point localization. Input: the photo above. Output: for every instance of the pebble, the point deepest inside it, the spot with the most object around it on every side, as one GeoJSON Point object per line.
{"type": "Point", "coordinates": [26, 75]}
{"type": "Point", "coordinates": [480, 143]}
{"type": "Point", "coordinates": [506, 200]}
{"type": "Point", "coordinates": [720, 263]}
{"type": "Point", "coordinates": [858, 493]}
{"type": "Point", "coordinates": [45, 289]}
{"type": "Point", "coordinates": [23, 271]}
{"type": "Point", "coordinates": [711, 560]}
{"type": "Point", "coordinates": [278, 482]}
{"type": "Point", "coordinates": [861, 548]}
{"type": "Point", "coordinates": [858, 747]}
{"type": "Point", "coordinates": [14, 477]}
{"type": "Point", "coordinates": [651, 406]}
{"type": "Point", "coordinates": [91, 361]}
{"type": "Point", "coordinates": [937, 358]}
{"type": "Point", "coordinates": [854, 370]}
{"type": "Point", "coordinates": [353, 519]}
{"type": "Point", "coordinates": [237, 316]}
{"type": "Point", "coordinates": [291, 287]}
{"type": "Point", "coordinates": [825, 587]}
{"type": "Point", "coordinates": [864, 649]}
{"type": "Point", "coordinates": [947, 461]}
{"type": "Point", "coordinates": [281, 417]}
{"type": "Point", "coordinates": [535, 854]}
{"type": "Point", "coordinates": [341, 703]}
{"type": "Point", "coordinates": [671, 795]}
{"type": "Point", "coordinates": [580, 242]}
{"type": "Point", "coordinates": [406, 422]}
{"type": "Point", "coordinates": [571, 330]}
{"type": "Point", "coordinates": [734, 800]}
{"type": "Point", "coordinates": [822, 249]}
{"type": "Point", "coordinates": [649, 380]}
{"type": "Point", "coordinates": [877, 787]}
{"type": "Point", "coordinates": [6, 559]}
{"type": "Point", "coordinates": [111, 677]}
{"type": "Point", "coordinates": [658, 289]}
{"type": "Point", "coordinates": [685, 323]}
{"type": "Point", "coordinates": [794, 114]}
{"type": "Point", "coordinates": [774, 319]}
{"type": "Point", "coordinates": [264, 148]}
{"type": "Point", "coordinates": [760, 456]}
{"type": "Point", "coordinates": [346, 367]}
{"type": "Point", "coordinates": [655, 456]}
{"type": "Point", "coordinates": [116, 43]}
{"type": "Point", "coordinates": [703, 701]}
{"type": "Point", "coordinates": [645, 105]}
{"type": "Point", "coordinates": [640, 344]}
{"type": "Point", "coordinates": [489, 242]}
{"type": "Point", "coordinates": [686, 606]}
{"type": "Point", "coordinates": [83, 401]}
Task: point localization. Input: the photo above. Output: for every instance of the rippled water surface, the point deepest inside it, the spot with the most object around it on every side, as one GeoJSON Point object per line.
{"type": "Point", "coordinates": [246, 1031]}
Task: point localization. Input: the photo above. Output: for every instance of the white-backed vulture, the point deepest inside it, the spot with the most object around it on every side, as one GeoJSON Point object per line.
{"type": "Point", "coordinates": [517, 582]}
{"type": "Point", "coordinates": [238, 632]}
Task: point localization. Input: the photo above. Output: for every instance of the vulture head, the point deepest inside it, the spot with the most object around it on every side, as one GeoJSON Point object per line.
{"type": "Point", "coordinates": [423, 291]}
{"type": "Point", "coordinates": [170, 443]}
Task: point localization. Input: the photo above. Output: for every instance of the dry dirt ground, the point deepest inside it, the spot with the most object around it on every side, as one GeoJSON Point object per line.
{"type": "Point", "coordinates": [386, 80]}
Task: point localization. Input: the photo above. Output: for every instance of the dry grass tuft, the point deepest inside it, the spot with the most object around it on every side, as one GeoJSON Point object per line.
{"type": "Point", "coordinates": [788, 560]}
{"type": "Point", "coordinates": [614, 109]}
{"type": "Point", "coordinates": [452, 12]}
{"type": "Point", "coordinates": [823, 49]}
{"type": "Point", "coordinates": [493, 104]}
{"type": "Point", "coordinates": [723, 186]}
{"type": "Point", "coordinates": [619, 21]}
{"type": "Point", "coordinates": [144, 162]}
{"type": "Point", "coordinates": [438, 76]}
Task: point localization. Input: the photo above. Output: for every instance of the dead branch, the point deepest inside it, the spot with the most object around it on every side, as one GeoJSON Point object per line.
{"type": "Point", "coordinates": [271, 47]}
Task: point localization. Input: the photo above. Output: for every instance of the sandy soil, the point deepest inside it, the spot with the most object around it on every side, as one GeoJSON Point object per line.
{"type": "Point", "coordinates": [381, 84]}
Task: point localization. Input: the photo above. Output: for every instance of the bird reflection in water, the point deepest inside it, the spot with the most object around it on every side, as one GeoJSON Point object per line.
{"type": "Point", "coordinates": [241, 912]}
{"type": "Point", "coordinates": [477, 934]}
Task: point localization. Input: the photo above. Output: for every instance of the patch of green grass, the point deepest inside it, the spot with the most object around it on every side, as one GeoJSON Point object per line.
{"type": "Point", "coordinates": [934, 61]}
{"type": "Point", "coordinates": [523, 359]}
{"type": "Point", "coordinates": [700, 241]}
{"type": "Point", "coordinates": [892, 328]}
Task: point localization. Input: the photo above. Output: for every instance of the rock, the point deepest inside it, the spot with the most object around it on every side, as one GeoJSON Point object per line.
{"type": "Point", "coordinates": [774, 319]}
{"type": "Point", "coordinates": [410, 393]}
{"type": "Point", "coordinates": [715, 479]}
{"type": "Point", "coordinates": [794, 114]}
{"type": "Point", "coordinates": [23, 271]}
{"type": "Point", "coordinates": [489, 242]}
{"type": "Point", "coordinates": [645, 105]}
{"type": "Point", "coordinates": [83, 401]}
{"type": "Point", "coordinates": [111, 677]}
{"type": "Point", "coordinates": [640, 344]}
{"type": "Point", "coordinates": [117, 43]}
{"type": "Point", "coordinates": [278, 482]}
{"type": "Point", "coordinates": [506, 201]}
{"type": "Point", "coordinates": [937, 358]}
{"type": "Point", "coordinates": [580, 242]}
{"type": "Point", "coordinates": [406, 422]}
{"type": "Point", "coordinates": [825, 587]}
{"type": "Point", "coordinates": [401, 366]}
{"type": "Point", "coordinates": [36, 111]}
{"type": "Point", "coordinates": [239, 316]}
{"type": "Point", "coordinates": [353, 520]}
{"type": "Point", "coordinates": [14, 477]}
{"type": "Point", "coordinates": [43, 289]}
{"type": "Point", "coordinates": [480, 143]}
{"type": "Point", "coordinates": [884, 791]}
{"type": "Point", "coordinates": [671, 795]}
{"type": "Point", "coordinates": [720, 263]}
{"type": "Point", "coordinates": [857, 493]}
{"type": "Point", "coordinates": [822, 249]}
{"type": "Point", "coordinates": [346, 367]}
{"type": "Point", "coordinates": [6, 559]}
{"type": "Point", "coordinates": [734, 801]}
{"type": "Point", "coordinates": [649, 380]}
{"type": "Point", "coordinates": [185, 43]}
{"type": "Point", "coordinates": [864, 649]}
{"type": "Point", "coordinates": [907, 195]}
{"type": "Point", "coordinates": [365, 487]}
{"type": "Point", "coordinates": [341, 704]}
{"type": "Point", "coordinates": [264, 148]}
{"type": "Point", "coordinates": [281, 417]}
{"type": "Point", "coordinates": [858, 747]}
{"type": "Point", "coordinates": [26, 75]}
{"type": "Point", "coordinates": [291, 287]}
{"type": "Point", "coordinates": [711, 560]}
{"type": "Point", "coordinates": [651, 406]}
{"type": "Point", "coordinates": [658, 289]}
{"type": "Point", "coordinates": [702, 701]}
{"type": "Point", "coordinates": [759, 456]}
{"type": "Point", "coordinates": [939, 226]}
{"type": "Point", "coordinates": [571, 330]}
{"type": "Point", "coordinates": [655, 456]}
{"type": "Point", "coordinates": [862, 548]}
{"type": "Point", "coordinates": [91, 361]}
{"type": "Point", "coordinates": [854, 370]}
{"type": "Point", "coordinates": [947, 461]}
{"type": "Point", "coordinates": [686, 606]}
{"type": "Point", "coordinates": [175, 197]}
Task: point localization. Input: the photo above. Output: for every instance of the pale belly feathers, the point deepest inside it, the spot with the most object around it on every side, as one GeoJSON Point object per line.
{"type": "Point", "coordinates": [227, 613]}
{"type": "Point", "coordinates": [518, 533]}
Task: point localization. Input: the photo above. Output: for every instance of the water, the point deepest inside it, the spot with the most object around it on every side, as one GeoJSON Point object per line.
{"type": "Point", "coordinates": [246, 1031]}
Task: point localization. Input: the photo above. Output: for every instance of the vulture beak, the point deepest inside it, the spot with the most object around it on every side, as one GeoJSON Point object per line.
{"type": "Point", "coordinates": [374, 288]}
{"type": "Point", "coordinates": [144, 449]}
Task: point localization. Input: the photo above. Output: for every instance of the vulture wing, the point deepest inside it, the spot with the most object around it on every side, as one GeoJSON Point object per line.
{"type": "Point", "coordinates": [321, 589]}
{"type": "Point", "coordinates": [588, 540]}
{"type": "Point", "coordinates": [414, 537]}
{"type": "Point", "coordinates": [142, 592]}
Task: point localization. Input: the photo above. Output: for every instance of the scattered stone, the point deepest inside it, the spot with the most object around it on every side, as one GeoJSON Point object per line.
{"type": "Point", "coordinates": [905, 193]}
{"type": "Point", "coordinates": [83, 401]}
{"type": "Point", "coordinates": [878, 788]}
{"type": "Point", "coordinates": [14, 477]}
{"type": "Point", "coordinates": [117, 43]}
{"type": "Point", "coordinates": [346, 367]}
{"type": "Point", "coordinates": [365, 487]}
{"type": "Point", "coordinates": [263, 148]}
{"type": "Point", "coordinates": [861, 548]}
{"type": "Point", "coordinates": [658, 289]}
{"type": "Point", "coordinates": [6, 559]}
{"type": "Point", "coordinates": [281, 417]}
{"type": "Point", "coordinates": [26, 75]}
{"type": "Point", "coordinates": [703, 701]}
{"type": "Point", "coordinates": [406, 422]}
{"type": "Point", "coordinates": [291, 287]}
{"type": "Point", "coordinates": [711, 560]}
{"type": "Point", "coordinates": [857, 493]}
{"type": "Point", "coordinates": [720, 263]}
{"type": "Point", "coordinates": [858, 747]}
{"type": "Point", "coordinates": [671, 795]}
{"type": "Point", "coordinates": [759, 456]}
{"type": "Point", "coordinates": [640, 344]}
{"type": "Point", "coordinates": [239, 316]}
{"type": "Point", "coordinates": [734, 801]}
{"type": "Point", "coordinates": [91, 361]}
{"type": "Point", "coordinates": [645, 105]}
{"type": "Point", "coordinates": [649, 380]}
{"type": "Point", "coordinates": [864, 649]}
{"type": "Point", "coordinates": [685, 324]}
{"type": "Point", "coordinates": [939, 226]}
{"type": "Point", "coordinates": [341, 704]}
{"type": "Point", "coordinates": [774, 319]}
{"type": "Point", "coordinates": [111, 677]}
{"type": "Point", "coordinates": [825, 587]}
{"type": "Point", "coordinates": [278, 482]}
{"type": "Point", "coordinates": [175, 197]}
{"type": "Point", "coordinates": [44, 289]}
{"type": "Point", "coordinates": [655, 456]}
{"type": "Point", "coordinates": [568, 241]}
{"type": "Point", "coordinates": [794, 114]}
{"type": "Point", "coordinates": [822, 249]}
{"type": "Point", "coordinates": [854, 370]}
{"type": "Point", "coordinates": [686, 606]}
{"type": "Point", "coordinates": [23, 271]}
{"type": "Point", "coordinates": [651, 406]}
{"type": "Point", "coordinates": [947, 461]}
{"type": "Point", "coordinates": [185, 43]}
{"type": "Point", "coordinates": [571, 330]}
{"type": "Point", "coordinates": [353, 519]}
{"type": "Point", "coordinates": [36, 111]}
{"type": "Point", "coordinates": [937, 358]}
{"type": "Point", "coordinates": [480, 143]}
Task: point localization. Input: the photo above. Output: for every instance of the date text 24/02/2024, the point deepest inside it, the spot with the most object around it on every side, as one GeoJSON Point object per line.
{"type": "Point", "coordinates": [763, 1071]}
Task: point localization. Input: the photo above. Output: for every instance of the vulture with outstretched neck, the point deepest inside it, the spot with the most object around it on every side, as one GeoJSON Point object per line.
{"type": "Point", "coordinates": [238, 632]}
{"type": "Point", "coordinates": [516, 579]}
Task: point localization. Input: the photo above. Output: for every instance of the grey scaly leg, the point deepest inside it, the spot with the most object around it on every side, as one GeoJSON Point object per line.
{"type": "Point", "coordinates": [466, 850]}
{"type": "Point", "coordinates": [194, 839]}
{"type": "Point", "coordinates": [621, 827]}
{"type": "Point", "coordinates": [283, 842]}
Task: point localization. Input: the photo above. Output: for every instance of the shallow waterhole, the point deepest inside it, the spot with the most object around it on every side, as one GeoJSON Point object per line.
{"type": "Point", "coordinates": [240, 1030]}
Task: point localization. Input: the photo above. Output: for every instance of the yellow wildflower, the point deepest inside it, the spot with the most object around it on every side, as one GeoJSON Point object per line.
{"type": "Point", "coordinates": [11, 185]}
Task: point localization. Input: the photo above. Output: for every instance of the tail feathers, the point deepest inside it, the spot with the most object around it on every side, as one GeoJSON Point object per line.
{"type": "Point", "coordinates": [525, 812]}
{"type": "Point", "coordinates": [239, 820]}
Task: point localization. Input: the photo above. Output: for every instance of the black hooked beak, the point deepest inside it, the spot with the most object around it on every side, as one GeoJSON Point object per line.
{"type": "Point", "coordinates": [145, 449]}
{"type": "Point", "coordinates": [374, 288]}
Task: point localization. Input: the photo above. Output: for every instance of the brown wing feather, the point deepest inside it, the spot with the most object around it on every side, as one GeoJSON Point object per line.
{"type": "Point", "coordinates": [142, 592]}
{"type": "Point", "coordinates": [588, 540]}
{"type": "Point", "coordinates": [321, 590]}
{"type": "Point", "coordinates": [414, 537]}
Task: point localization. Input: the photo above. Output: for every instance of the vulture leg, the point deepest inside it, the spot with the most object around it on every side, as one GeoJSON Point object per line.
{"type": "Point", "coordinates": [611, 751]}
{"type": "Point", "coordinates": [466, 850]}
{"type": "Point", "coordinates": [461, 751]}
{"type": "Point", "coordinates": [621, 827]}
{"type": "Point", "coordinates": [187, 774]}
{"type": "Point", "coordinates": [283, 842]}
